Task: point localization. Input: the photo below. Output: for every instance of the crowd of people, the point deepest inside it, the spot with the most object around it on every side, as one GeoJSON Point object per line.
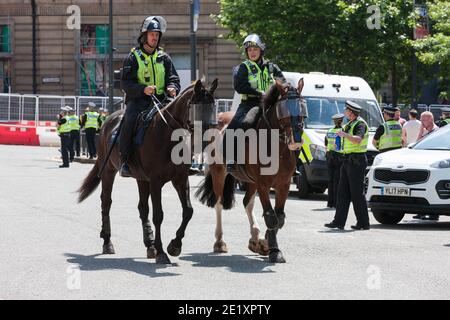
{"type": "Point", "coordinates": [346, 149]}
{"type": "Point", "coordinates": [70, 126]}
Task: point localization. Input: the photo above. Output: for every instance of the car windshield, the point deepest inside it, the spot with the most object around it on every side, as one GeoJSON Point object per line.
{"type": "Point", "coordinates": [321, 109]}
{"type": "Point", "coordinates": [438, 140]}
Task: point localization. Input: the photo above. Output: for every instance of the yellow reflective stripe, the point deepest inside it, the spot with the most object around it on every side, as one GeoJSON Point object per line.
{"type": "Point", "coordinates": [305, 146]}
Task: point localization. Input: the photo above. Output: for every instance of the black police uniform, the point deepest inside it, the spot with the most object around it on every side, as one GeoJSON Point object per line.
{"type": "Point", "coordinates": [334, 163]}
{"type": "Point", "coordinates": [90, 136]}
{"type": "Point", "coordinates": [65, 144]}
{"type": "Point", "coordinates": [351, 183]}
{"type": "Point", "coordinates": [136, 101]}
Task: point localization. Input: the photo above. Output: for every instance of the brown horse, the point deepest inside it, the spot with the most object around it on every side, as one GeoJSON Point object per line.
{"type": "Point", "coordinates": [283, 113]}
{"type": "Point", "coordinates": [152, 166]}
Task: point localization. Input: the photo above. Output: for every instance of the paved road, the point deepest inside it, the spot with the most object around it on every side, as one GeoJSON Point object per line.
{"type": "Point", "coordinates": [50, 247]}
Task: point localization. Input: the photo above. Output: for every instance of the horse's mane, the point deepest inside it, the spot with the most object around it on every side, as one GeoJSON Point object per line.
{"type": "Point", "coordinates": [271, 96]}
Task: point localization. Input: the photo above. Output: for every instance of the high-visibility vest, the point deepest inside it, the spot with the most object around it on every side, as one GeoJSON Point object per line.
{"type": "Point", "coordinates": [91, 119]}
{"type": "Point", "coordinates": [392, 136]}
{"type": "Point", "coordinates": [348, 147]}
{"type": "Point", "coordinates": [151, 71]}
{"type": "Point", "coordinates": [74, 122]}
{"type": "Point", "coordinates": [65, 127]}
{"type": "Point", "coordinates": [331, 137]}
{"type": "Point", "coordinates": [102, 119]}
{"type": "Point", "coordinates": [447, 121]}
{"type": "Point", "coordinates": [259, 79]}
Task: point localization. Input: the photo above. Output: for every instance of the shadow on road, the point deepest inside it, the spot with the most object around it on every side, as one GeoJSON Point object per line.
{"type": "Point", "coordinates": [235, 263]}
{"type": "Point", "coordinates": [415, 225]}
{"type": "Point", "coordinates": [97, 263]}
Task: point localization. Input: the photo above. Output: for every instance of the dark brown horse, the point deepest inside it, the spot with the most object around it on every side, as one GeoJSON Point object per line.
{"type": "Point", "coordinates": [152, 166]}
{"type": "Point", "coordinates": [282, 116]}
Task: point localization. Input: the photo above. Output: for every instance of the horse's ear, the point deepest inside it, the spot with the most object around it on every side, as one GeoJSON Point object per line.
{"type": "Point", "coordinates": [213, 86]}
{"type": "Point", "coordinates": [282, 87]}
{"type": "Point", "coordinates": [198, 87]}
{"type": "Point", "coordinates": [300, 85]}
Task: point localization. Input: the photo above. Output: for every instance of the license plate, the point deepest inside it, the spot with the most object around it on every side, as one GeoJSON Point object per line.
{"type": "Point", "coordinates": [395, 191]}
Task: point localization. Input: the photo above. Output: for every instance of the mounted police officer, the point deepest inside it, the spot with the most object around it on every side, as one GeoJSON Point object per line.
{"type": "Point", "coordinates": [334, 158]}
{"type": "Point", "coordinates": [445, 117]}
{"type": "Point", "coordinates": [74, 124]}
{"type": "Point", "coordinates": [389, 134]}
{"type": "Point", "coordinates": [252, 79]}
{"type": "Point", "coordinates": [147, 71]}
{"type": "Point", "coordinates": [91, 122]}
{"type": "Point", "coordinates": [63, 131]}
{"type": "Point", "coordinates": [351, 184]}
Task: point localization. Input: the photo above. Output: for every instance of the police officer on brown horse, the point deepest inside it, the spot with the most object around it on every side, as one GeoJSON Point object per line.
{"type": "Point", "coordinates": [148, 72]}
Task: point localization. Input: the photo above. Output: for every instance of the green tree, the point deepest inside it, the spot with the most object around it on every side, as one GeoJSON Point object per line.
{"type": "Point", "coordinates": [435, 49]}
{"type": "Point", "coordinates": [330, 36]}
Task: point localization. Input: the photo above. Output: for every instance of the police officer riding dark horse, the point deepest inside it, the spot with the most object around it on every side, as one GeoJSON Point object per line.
{"type": "Point", "coordinates": [148, 72]}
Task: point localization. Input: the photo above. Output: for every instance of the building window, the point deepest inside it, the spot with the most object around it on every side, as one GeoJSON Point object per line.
{"type": "Point", "coordinates": [5, 75]}
{"type": "Point", "coordinates": [5, 39]}
{"type": "Point", "coordinates": [94, 39]}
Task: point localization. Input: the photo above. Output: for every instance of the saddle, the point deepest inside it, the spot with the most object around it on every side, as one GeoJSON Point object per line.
{"type": "Point", "coordinates": [142, 123]}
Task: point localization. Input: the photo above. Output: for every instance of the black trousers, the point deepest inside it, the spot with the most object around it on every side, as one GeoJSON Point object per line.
{"type": "Point", "coordinates": [74, 143]}
{"type": "Point", "coordinates": [65, 146]}
{"type": "Point", "coordinates": [334, 163]}
{"type": "Point", "coordinates": [90, 140]}
{"type": "Point", "coordinates": [351, 189]}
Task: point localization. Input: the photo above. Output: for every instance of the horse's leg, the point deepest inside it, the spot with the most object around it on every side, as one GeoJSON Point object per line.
{"type": "Point", "coordinates": [271, 220]}
{"type": "Point", "coordinates": [218, 176]}
{"type": "Point", "coordinates": [174, 248]}
{"type": "Point", "coordinates": [107, 185]}
{"type": "Point", "coordinates": [281, 195]}
{"type": "Point", "coordinates": [158, 215]}
{"type": "Point", "coordinates": [149, 238]}
{"type": "Point", "coordinates": [254, 244]}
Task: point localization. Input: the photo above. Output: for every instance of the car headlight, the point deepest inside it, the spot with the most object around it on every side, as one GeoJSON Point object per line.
{"type": "Point", "coordinates": [443, 164]}
{"type": "Point", "coordinates": [318, 152]}
{"type": "Point", "coordinates": [378, 160]}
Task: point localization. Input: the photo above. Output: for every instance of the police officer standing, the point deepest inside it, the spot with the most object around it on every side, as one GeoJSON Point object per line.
{"type": "Point", "coordinates": [147, 71]}
{"type": "Point", "coordinates": [91, 122]}
{"type": "Point", "coordinates": [64, 134]}
{"type": "Point", "coordinates": [445, 117]}
{"type": "Point", "coordinates": [252, 79]}
{"type": "Point", "coordinates": [351, 184]}
{"type": "Point", "coordinates": [74, 124]}
{"type": "Point", "coordinates": [389, 134]}
{"type": "Point", "coordinates": [334, 158]}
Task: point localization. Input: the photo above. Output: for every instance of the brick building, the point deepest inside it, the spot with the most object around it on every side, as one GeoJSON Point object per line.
{"type": "Point", "coordinates": [73, 62]}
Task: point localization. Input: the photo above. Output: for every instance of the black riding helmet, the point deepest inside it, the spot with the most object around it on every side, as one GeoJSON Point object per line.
{"type": "Point", "coordinates": [152, 23]}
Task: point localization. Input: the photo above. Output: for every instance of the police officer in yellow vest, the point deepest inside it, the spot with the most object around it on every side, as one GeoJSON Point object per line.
{"type": "Point", "coordinates": [445, 117]}
{"type": "Point", "coordinates": [64, 133]}
{"type": "Point", "coordinates": [389, 134]}
{"type": "Point", "coordinates": [351, 184]}
{"type": "Point", "coordinates": [147, 71]}
{"type": "Point", "coordinates": [252, 79]}
{"type": "Point", "coordinates": [74, 124]}
{"type": "Point", "coordinates": [91, 122]}
{"type": "Point", "coordinates": [334, 158]}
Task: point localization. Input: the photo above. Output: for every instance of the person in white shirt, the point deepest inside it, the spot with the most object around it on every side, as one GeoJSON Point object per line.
{"type": "Point", "coordinates": [411, 128]}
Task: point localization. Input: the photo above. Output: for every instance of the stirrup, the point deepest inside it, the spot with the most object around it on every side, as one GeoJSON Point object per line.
{"type": "Point", "coordinates": [125, 170]}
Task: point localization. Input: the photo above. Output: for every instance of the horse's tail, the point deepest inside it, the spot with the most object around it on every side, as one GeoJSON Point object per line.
{"type": "Point", "coordinates": [90, 183]}
{"type": "Point", "coordinates": [205, 193]}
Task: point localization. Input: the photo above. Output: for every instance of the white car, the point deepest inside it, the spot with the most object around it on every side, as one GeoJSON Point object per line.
{"type": "Point", "coordinates": [414, 180]}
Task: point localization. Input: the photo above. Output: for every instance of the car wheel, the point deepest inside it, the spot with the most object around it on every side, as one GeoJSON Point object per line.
{"type": "Point", "coordinates": [386, 217]}
{"type": "Point", "coordinates": [302, 184]}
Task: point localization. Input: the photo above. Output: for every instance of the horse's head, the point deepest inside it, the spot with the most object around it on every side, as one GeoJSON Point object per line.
{"type": "Point", "coordinates": [290, 111]}
{"type": "Point", "coordinates": [202, 107]}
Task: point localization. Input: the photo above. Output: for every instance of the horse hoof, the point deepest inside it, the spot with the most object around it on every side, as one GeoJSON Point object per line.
{"type": "Point", "coordinates": [173, 250]}
{"type": "Point", "coordinates": [151, 253]}
{"type": "Point", "coordinates": [263, 248]}
{"type": "Point", "coordinates": [276, 257]}
{"type": "Point", "coordinates": [108, 249]}
{"type": "Point", "coordinates": [162, 258]}
{"type": "Point", "coordinates": [220, 247]}
{"type": "Point", "coordinates": [253, 246]}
